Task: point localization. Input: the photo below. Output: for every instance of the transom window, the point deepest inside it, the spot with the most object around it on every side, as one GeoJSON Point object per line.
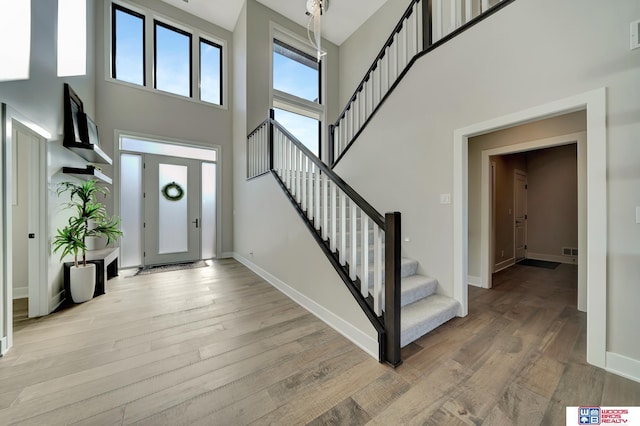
{"type": "Point", "coordinates": [185, 62]}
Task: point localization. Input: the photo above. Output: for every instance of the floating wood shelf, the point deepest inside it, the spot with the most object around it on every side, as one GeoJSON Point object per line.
{"type": "Point", "coordinates": [87, 173]}
{"type": "Point", "coordinates": [90, 152]}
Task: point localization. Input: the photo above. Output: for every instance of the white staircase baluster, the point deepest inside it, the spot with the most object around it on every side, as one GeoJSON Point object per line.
{"type": "Point", "coordinates": [353, 264]}
{"type": "Point", "coordinates": [333, 201]}
{"type": "Point", "coordinates": [364, 258]}
{"type": "Point", "coordinates": [343, 228]}
{"type": "Point", "coordinates": [303, 180]}
{"type": "Point", "coordinates": [325, 207]}
{"type": "Point", "coordinates": [310, 166]}
{"type": "Point", "coordinates": [377, 270]}
{"type": "Point", "coordinates": [316, 214]}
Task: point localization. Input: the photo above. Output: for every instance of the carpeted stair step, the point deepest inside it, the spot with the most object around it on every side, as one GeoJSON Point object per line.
{"type": "Point", "coordinates": [419, 318]}
{"type": "Point", "coordinates": [408, 267]}
{"type": "Point", "coordinates": [416, 287]}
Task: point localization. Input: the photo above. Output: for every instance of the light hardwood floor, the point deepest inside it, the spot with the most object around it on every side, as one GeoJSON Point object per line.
{"type": "Point", "coordinates": [219, 346]}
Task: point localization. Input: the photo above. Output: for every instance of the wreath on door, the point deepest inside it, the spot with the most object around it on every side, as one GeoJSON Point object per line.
{"type": "Point", "coordinates": [172, 192]}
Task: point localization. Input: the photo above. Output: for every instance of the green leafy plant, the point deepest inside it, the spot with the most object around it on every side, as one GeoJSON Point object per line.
{"type": "Point", "coordinates": [89, 220]}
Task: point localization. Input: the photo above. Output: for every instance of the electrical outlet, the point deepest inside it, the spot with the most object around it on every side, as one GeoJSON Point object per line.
{"type": "Point", "coordinates": [445, 198]}
{"type": "Point", "coordinates": [638, 214]}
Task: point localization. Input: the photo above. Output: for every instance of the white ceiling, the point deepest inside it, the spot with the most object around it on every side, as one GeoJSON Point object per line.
{"type": "Point", "coordinates": [340, 21]}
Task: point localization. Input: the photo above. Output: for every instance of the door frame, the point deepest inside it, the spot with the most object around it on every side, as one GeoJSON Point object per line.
{"type": "Point", "coordinates": [37, 252]}
{"type": "Point", "coordinates": [595, 246]}
{"type": "Point", "coordinates": [119, 134]}
{"type": "Point", "coordinates": [517, 172]}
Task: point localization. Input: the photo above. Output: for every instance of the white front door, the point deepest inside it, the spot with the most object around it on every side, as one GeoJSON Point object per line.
{"type": "Point", "coordinates": [520, 216]}
{"type": "Point", "coordinates": [172, 210]}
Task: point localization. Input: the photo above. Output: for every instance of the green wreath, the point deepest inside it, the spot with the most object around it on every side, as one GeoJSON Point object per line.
{"type": "Point", "coordinates": [173, 192]}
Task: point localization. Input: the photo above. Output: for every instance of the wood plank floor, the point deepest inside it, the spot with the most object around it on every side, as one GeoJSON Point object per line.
{"type": "Point", "coordinates": [219, 346]}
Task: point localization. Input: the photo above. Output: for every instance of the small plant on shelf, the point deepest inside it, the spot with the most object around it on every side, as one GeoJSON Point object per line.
{"type": "Point", "coordinates": [89, 219]}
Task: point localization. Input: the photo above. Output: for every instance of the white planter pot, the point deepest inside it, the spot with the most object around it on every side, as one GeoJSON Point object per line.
{"type": "Point", "coordinates": [82, 282]}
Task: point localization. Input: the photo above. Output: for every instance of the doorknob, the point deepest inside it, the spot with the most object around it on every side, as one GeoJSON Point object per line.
{"type": "Point", "coordinates": [196, 222]}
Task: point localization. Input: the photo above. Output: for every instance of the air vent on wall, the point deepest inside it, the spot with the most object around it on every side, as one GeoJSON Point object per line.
{"type": "Point", "coordinates": [569, 251]}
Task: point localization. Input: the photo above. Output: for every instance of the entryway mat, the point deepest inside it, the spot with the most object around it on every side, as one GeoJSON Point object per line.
{"type": "Point", "coordinates": [172, 267]}
{"type": "Point", "coordinates": [539, 263]}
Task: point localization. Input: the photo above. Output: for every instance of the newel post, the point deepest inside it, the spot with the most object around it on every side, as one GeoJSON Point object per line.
{"type": "Point", "coordinates": [272, 116]}
{"type": "Point", "coordinates": [392, 291]}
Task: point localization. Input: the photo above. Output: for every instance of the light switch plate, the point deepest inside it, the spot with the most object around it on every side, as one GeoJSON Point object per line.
{"type": "Point", "coordinates": [635, 35]}
{"type": "Point", "coordinates": [445, 198]}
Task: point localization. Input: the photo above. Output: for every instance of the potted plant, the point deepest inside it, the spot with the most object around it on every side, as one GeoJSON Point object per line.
{"type": "Point", "coordinates": [89, 219]}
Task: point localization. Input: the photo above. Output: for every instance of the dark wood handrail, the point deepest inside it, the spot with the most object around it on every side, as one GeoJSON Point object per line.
{"type": "Point", "coordinates": [367, 208]}
{"type": "Point", "coordinates": [426, 48]}
{"type": "Point", "coordinates": [388, 325]}
{"type": "Point", "coordinates": [380, 55]}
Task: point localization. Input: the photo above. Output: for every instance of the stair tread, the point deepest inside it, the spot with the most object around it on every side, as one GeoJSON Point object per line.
{"type": "Point", "coordinates": [416, 287]}
{"type": "Point", "coordinates": [419, 318]}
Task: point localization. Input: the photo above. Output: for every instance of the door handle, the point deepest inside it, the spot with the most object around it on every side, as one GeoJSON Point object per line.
{"type": "Point", "coordinates": [196, 222]}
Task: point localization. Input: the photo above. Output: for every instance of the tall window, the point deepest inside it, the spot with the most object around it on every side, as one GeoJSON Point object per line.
{"type": "Point", "coordinates": [172, 60]}
{"type": "Point", "coordinates": [210, 72]}
{"type": "Point", "coordinates": [127, 41]}
{"type": "Point", "coordinates": [297, 92]}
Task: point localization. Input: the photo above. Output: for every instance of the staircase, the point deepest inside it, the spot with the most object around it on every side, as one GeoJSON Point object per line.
{"type": "Point", "coordinates": [363, 246]}
{"type": "Point", "coordinates": [423, 309]}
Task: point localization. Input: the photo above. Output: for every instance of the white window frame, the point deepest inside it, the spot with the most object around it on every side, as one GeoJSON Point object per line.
{"type": "Point", "coordinates": [295, 104]}
{"type": "Point", "coordinates": [149, 59]}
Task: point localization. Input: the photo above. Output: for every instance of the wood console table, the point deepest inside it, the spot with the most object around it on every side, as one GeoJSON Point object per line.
{"type": "Point", "coordinates": [106, 261]}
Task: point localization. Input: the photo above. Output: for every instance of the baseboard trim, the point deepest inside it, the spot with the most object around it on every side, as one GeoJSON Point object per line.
{"type": "Point", "coordinates": [226, 255]}
{"type": "Point", "coordinates": [504, 265]}
{"type": "Point", "coordinates": [20, 292]}
{"type": "Point", "coordinates": [56, 301]}
{"type": "Point", "coordinates": [3, 346]}
{"type": "Point", "coordinates": [475, 281]}
{"type": "Point", "coordinates": [623, 366]}
{"type": "Point", "coordinates": [571, 260]}
{"type": "Point", "coordinates": [360, 339]}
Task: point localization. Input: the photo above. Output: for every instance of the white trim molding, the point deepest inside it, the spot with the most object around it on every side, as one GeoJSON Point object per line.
{"type": "Point", "coordinates": [474, 281]}
{"type": "Point", "coordinates": [595, 250]}
{"type": "Point", "coordinates": [571, 260]}
{"type": "Point", "coordinates": [623, 366]}
{"type": "Point", "coordinates": [360, 339]}
{"type": "Point", "coordinates": [21, 292]}
{"type": "Point", "coordinates": [3, 346]}
{"type": "Point", "coordinates": [500, 266]}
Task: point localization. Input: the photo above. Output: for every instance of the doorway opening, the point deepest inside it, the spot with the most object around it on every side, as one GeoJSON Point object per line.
{"type": "Point", "coordinates": [592, 248]}
{"type": "Point", "coordinates": [168, 202]}
{"type": "Point", "coordinates": [533, 206]}
{"type": "Point", "coordinates": [23, 251]}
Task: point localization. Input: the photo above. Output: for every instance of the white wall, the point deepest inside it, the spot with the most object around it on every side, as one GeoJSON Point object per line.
{"type": "Point", "coordinates": [267, 230]}
{"type": "Point", "coordinates": [40, 100]}
{"type": "Point", "coordinates": [145, 111]}
{"type": "Point", "coordinates": [509, 63]}
{"type": "Point", "coordinates": [553, 201]}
